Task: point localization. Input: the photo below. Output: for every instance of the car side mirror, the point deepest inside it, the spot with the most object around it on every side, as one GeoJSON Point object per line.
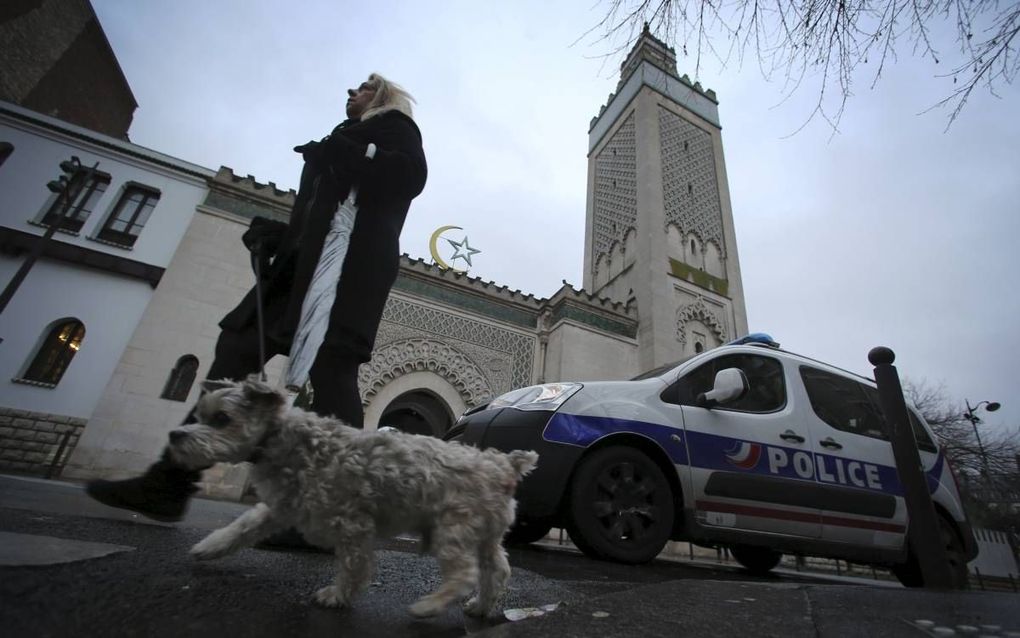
{"type": "Point", "coordinates": [730, 385]}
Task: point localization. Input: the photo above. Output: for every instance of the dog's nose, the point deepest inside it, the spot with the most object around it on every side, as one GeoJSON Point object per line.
{"type": "Point", "coordinates": [177, 435]}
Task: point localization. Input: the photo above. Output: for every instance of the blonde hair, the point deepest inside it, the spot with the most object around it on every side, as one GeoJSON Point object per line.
{"type": "Point", "coordinates": [389, 96]}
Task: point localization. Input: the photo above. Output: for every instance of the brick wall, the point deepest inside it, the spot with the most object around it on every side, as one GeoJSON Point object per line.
{"type": "Point", "coordinates": [29, 441]}
{"type": "Point", "coordinates": [57, 61]}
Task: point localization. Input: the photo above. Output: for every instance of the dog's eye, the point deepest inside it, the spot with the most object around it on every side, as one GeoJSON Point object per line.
{"type": "Point", "coordinates": [220, 419]}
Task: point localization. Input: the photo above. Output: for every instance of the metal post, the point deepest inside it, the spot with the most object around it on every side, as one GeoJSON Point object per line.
{"type": "Point", "coordinates": [40, 244]}
{"type": "Point", "coordinates": [56, 457]}
{"type": "Point", "coordinates": [923, 529]}
{"type": "Point", "coordinates": [981, 447]}
{"type": "Point", "coordinates": [974, 420]}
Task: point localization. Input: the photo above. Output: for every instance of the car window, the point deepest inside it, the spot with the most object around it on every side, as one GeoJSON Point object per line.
{"type": "Point", "coordinates": [852, 406]}
{"type": "Point", "coordinates": [766, 384]}
{"type": "Point", "coordinates": [924, 441]}
{"type": "Point", "coordinates": [842, 403]}
{"type": "Point", "coordinates": [921, 437]}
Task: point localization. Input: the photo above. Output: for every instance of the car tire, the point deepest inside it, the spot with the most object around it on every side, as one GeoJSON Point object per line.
{"type": "Point", "coordinates": [525, 532]}
{"type": "Point", "coordinates": [909, 573]}
{"type": "Point", "coordinates": [757, 560]}
{"type": "Point", "coordinates": [620, 506]}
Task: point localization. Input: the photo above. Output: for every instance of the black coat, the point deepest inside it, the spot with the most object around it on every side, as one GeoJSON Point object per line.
{"type": "Point", "coordinates": [386, 185]}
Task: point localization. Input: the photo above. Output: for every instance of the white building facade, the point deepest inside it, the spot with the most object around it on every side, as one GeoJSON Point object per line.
{"type": "Point", "coordinates": [65, 329]}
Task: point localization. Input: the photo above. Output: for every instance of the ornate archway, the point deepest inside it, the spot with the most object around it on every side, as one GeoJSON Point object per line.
{"type": "Point", "coordinates": [420, 355]}
{"type": "Point", "coordinates": [418, 412]}
{"type": "Point", "coordinates": [698, 311]}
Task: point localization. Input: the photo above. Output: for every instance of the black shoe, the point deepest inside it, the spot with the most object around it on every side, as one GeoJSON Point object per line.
{"type": "Point", "coordinates": [162, 493]}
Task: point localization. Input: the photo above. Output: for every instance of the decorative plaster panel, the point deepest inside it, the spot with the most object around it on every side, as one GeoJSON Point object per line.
{"type": "Point", "coordinates": [700, 312]}
{"type": "Point", "coordinates": [490, 359]}
{"type": "Point", "coordinates": [615, 190]}
{"type": "Point", "coordinates": [690, 187]}
{"type": "Point", "coordinates": [413, 355]}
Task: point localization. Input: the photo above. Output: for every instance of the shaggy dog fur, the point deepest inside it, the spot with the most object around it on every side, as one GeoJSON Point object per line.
{"type": "Point", "coordinates": [342, 487]}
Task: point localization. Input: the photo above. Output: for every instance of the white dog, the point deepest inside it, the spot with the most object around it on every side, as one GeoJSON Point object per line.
{"type": "Point", "coordinates": [341, 487]}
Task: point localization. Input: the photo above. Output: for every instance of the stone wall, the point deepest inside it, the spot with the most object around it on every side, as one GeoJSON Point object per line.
{"type": "Point", "coordinates": [208, 275]}
{"type": "Point", "coordinates": [30, 441]}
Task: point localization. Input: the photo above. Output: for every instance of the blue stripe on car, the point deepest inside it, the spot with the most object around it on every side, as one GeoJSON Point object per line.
{"type": "Point", "coordinates": [714, 452]}
{"type": "Point", "coordinates": [574, 429]}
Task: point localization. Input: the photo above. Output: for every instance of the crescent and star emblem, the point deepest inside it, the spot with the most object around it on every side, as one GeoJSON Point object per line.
{"type": "Point", "coordinates": [461, 249]}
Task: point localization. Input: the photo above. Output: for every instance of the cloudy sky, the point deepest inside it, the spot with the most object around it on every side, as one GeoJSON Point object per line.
{"type": "Point", "coordinates": [891, 232]}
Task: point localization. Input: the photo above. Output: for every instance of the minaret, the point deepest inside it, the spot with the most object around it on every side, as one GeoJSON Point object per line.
{"type": "Point", "coordinates": [659, 226]}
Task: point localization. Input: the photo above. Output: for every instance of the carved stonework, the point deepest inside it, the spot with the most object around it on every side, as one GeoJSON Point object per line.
{"type": "Point", "coordinates": [415, 355]}
{"type": "Point", "coordinates": [698, 311]}
{"type": "Point", "coordinates": [690, 187]}
{"type": "Point", "coordinates": [480, 359]}
{"type": "Point", "coordinates": [615, 190]}
{"type": "Point", "coordinates": [494, 365]}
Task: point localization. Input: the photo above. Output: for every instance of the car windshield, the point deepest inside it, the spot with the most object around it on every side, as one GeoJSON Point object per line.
{"type": "Point", "coordinates": [655, 372]}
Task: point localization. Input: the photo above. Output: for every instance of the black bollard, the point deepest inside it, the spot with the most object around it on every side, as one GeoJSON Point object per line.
{"type": "Point", "coordinates": [923, 529]}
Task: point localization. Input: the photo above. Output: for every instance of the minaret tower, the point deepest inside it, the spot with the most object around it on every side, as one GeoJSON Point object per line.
{"type": "Point", "coordinates": [659, 226]}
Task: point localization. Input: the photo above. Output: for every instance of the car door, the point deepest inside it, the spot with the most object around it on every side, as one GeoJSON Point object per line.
{"type": "Point", "coordinates": [750, 462]}
{"type": "Point", "coordinates": [854, 462]}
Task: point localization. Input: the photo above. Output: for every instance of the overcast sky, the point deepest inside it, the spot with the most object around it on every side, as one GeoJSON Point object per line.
{"type": "Point", "coordinates": [892, 232]}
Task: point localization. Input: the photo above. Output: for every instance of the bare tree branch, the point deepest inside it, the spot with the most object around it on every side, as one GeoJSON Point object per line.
{"type": "Point", "coordinates": [831, 41]}
{"type": "Point", "coordinates": [987, 466]}
{"type": "Point", "coordinates": [966, 448]}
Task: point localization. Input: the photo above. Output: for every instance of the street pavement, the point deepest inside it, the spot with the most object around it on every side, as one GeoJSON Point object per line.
{"type": "Point", "coordinates": [72, 567]}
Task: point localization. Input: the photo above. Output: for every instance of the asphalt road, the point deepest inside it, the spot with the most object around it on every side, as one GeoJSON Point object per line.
{"type": "Point", "coordinates": [70, 567]}
{"type": "Point", "coordinates": [111, 573]}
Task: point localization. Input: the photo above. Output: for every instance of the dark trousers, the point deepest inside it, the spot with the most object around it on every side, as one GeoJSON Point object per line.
{"type": "Point", "coordinates": [334, 377]}
{"type": "Point", "coordinates": [334, 374]}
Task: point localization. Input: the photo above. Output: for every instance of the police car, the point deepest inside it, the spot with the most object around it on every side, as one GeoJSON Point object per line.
{"type": "Point", "coordinates": [746, 446]}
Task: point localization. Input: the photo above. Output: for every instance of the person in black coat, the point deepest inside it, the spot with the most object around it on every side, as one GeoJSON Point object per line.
{"type": "Point", "coordinates": [377, 150]}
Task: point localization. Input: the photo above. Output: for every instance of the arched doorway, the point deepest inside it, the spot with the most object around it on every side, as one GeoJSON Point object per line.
{"type": "Point", "coordinates": [418, 412]}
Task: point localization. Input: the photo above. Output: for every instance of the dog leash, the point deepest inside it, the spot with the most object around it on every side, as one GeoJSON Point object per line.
{"type": "Point", "coordinates": [256, 266]}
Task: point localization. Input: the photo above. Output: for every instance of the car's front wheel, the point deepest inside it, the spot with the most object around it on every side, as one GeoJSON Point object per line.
{"type": "Point", "coordinates": [910, 575]}
{"type": "Point", "coordinates": [620, 506]}
{"type": "Point", "coordinates": [757, 560]}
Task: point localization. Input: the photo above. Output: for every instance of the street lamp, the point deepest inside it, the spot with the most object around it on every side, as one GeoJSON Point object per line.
{"type": "Point", "coordinates": [990, 406]}
{"type": "Point", "coordinates": [68, 187]}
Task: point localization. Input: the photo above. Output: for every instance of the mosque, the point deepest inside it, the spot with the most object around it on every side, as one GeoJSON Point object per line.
{"type": "Point", "coordinates": [661, 281]}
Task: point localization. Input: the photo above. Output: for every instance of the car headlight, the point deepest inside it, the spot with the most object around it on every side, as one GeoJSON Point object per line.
{"type": "Point", "coordinates": [548, 396]}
